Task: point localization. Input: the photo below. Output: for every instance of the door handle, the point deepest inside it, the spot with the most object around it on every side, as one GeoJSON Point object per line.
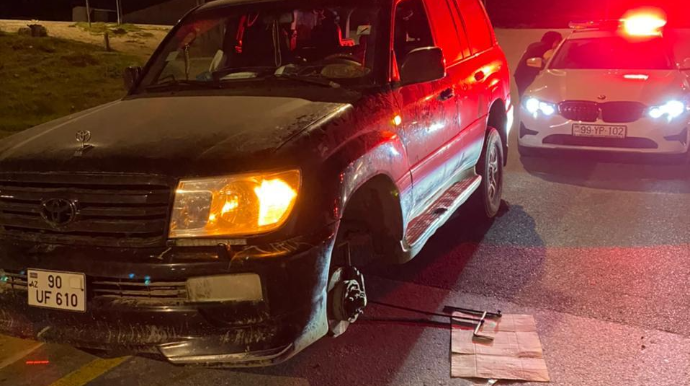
{"type": "Point", "coordinates": [479, 76]}
{"type": "Point", "coordinates": [446, 94]}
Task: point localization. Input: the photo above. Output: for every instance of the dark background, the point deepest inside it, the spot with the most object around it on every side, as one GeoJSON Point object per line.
{"type": "Point", "coordinates": [504, 13]}
{"type": "Point", "coordinates": [62, 9]}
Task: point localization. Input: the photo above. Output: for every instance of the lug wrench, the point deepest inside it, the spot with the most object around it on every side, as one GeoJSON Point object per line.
{"type": "Point", "coordinates": [477, 323]}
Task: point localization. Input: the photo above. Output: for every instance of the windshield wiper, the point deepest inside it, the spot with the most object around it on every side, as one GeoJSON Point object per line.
{"type": "Point", "coordinates": [174, 83]}
{"type": "Point", "coordinates": [309, 79]}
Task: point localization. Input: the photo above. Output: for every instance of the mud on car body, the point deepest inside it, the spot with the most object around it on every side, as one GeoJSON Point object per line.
{"type": "Point", "coordinates": [218, 213]}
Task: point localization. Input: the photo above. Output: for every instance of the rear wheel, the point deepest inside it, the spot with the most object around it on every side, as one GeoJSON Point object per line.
{"type": "Point", "coordinates": [490, 167]}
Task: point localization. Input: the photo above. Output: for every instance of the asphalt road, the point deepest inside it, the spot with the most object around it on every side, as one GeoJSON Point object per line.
{"type": "Point", "coordinates": [596, 248]}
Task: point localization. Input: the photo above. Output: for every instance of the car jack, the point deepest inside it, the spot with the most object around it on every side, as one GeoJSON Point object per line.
{"type": "Point", "coordinates": [477, 323]}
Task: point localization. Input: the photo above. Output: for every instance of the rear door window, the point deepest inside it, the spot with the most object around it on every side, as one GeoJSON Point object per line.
{"type": "Point", "coordinates": [460, 27]}
{"type": "Point", "coordinates": [476, 23]}
{"type": "Point", "coordinates": [445, 28]}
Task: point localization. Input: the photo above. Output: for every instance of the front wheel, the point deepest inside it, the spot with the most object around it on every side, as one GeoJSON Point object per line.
{"type": "Point", "coordinates": [490, 167]}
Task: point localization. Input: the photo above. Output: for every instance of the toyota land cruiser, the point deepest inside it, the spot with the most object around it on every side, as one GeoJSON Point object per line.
{"type": "Point", "coordinates": [219, 212]}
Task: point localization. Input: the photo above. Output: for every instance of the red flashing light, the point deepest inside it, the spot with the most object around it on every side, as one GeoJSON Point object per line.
{"type": "Point", "coordinates": [645, 23]}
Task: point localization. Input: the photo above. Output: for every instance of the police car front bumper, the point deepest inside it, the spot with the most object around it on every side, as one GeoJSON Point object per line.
{"type": "Point", "coordinates": [646, 135]}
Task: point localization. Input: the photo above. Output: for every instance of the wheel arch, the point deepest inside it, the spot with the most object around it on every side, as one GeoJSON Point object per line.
{"type": "Point", "coordinates": [498, 119]}
{"type": "Point", "coordinates": [375, 207]}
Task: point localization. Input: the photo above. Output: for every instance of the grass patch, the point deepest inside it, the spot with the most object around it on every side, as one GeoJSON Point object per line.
{"type": "Point", "coordinates": [47, 78]}
{"type": "Point", "coordinates": [113, 29]}
{"type": "Point", "coordinates": [144, 35]}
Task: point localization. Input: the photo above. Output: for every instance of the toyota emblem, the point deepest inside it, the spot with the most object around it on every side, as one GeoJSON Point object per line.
{"type": "Point", "coordinates": [83, 137]}
{"type": "Point", "coordinates": [602, 97]}
{"type": "Point", "coordinates": [58, 212]}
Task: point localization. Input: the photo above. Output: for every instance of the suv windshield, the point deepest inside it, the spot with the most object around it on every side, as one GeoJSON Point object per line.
{"type": "Point", "coordinates": [317, 46]}
{"type": "Point", "coordinates": [616, 53]}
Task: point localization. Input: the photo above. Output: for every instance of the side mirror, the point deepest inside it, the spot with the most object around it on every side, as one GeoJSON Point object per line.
{"type": "Point", "coordinates": [535, 63]}
{"type": "Point", "coordinates": [422, 65]}
{"type": "Point", "coordinates": [131, 76]}
{"type": "Point", "coordinates": [685, 66]}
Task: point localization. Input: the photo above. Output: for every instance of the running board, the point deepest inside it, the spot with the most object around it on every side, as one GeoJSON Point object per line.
{"type": "Point", "coordinates": [425, 225]}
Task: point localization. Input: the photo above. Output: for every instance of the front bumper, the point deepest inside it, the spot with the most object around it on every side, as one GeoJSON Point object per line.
{"type": "Point", "coordinates": [646, 135]}
{"type": "Point", "coordinates": [291, 315]}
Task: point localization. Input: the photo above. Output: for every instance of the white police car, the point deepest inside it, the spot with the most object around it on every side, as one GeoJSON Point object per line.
{"type": "Point", "coordinates": [610, 86]}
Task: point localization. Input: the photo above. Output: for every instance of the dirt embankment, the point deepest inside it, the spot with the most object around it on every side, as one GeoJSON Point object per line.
{"type": "Point", "coordinates": [140, 43]}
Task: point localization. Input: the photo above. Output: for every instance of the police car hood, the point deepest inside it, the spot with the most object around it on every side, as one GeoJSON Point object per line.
{"type": "Point", "coordinates": [649, 87]}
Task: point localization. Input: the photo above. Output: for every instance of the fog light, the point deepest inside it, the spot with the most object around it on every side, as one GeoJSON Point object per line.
{"type": "Point", "coordinates": [245, 287]}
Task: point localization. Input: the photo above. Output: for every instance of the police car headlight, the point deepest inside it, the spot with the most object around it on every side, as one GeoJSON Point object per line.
{"type": "Point", "coordinates": [534, 105]}
{"type": "Point", "coordinates": [672, 109]}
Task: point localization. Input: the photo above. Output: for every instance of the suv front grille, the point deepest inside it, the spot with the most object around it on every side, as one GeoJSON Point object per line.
{"type": "Point", "coordinates": [609, 112]}
{"type": "Point", "coordinates": [105, 210]}
{"type": "Point", "coordinates": [157, 292]}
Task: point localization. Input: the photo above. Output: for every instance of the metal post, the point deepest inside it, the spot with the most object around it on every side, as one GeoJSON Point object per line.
{"type": "Point", "coordinates": [118, 5]}
{"type": "Point", "coordinates": [88, 13]}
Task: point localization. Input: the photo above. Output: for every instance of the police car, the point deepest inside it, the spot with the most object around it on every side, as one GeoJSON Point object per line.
{"type": "Point", "coordinates": [611, 86]}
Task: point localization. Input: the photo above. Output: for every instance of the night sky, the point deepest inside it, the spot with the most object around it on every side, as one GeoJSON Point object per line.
{"type": "Point", "coordinates": [504, 13]}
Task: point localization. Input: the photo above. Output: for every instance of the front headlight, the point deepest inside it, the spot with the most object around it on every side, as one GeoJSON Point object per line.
{"type": "Point", "coordinates": [672, 109]}
{"type": "Point", "coordinates": [534, 105]}
{"type": "Point", "coordinates": [234, 206]}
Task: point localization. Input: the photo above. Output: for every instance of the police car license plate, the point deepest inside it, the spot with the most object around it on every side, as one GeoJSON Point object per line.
{"type": "Point", "coordinates": [600, 131]}
{"type": "Point", "coordinates": [58, 290]}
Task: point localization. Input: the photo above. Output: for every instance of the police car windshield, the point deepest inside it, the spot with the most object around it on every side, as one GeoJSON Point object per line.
{"type": "Point", "coordinates": [617, 53]}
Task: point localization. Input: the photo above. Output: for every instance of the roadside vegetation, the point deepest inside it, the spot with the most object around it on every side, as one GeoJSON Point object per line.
{"type": "Point", "coordinates": [46, 78]}
{"type": "Point", "coordinates": [114, 30]}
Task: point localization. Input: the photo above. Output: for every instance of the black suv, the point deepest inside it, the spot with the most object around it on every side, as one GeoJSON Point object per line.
{"type": "Point", "coordinates": [218, 213]}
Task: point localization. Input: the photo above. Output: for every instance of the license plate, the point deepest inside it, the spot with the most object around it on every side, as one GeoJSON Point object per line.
{"type": "Point", "coordinates": [59, 290]}
{"type": "Point", "coordinates": [600, 131]}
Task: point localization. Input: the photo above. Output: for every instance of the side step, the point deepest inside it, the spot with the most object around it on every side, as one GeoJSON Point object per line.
{"type": "Point", "coordinates": [423, 226]}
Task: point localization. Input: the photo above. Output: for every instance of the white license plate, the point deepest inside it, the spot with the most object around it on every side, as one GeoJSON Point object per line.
{"type": "Point", "coordinates": [600, 131]}
{"type": "Point", "coordinates": [59, 290]}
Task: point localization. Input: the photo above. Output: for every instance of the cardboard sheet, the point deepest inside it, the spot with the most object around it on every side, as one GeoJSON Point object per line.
{"type": "Point", "coordinates": [515, 353]}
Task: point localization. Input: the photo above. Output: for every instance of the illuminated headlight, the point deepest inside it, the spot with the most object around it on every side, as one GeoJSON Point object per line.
{"type": "Point", "coordinates": [534, 105]}
{"type": "Point", "coordinates": [234, 206]}
{"type": "Point", "coordinates": [672, 109]}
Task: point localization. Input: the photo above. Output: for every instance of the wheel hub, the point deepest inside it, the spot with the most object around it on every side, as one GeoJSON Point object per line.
{"type": "Point", "coordinates": [493, 174]}
{"type": "Point", "coordinates": [347, 299]}
{"type": "Point", "coordinates": [350, 296]}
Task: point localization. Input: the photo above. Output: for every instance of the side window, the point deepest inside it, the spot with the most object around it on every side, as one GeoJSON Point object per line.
{"type": "Point", "coordinates": [444, 25]}
{"type": "Point", "coordinates": [197, 50]}
{"type": "Point", "coordinates": [476, 23]}
{"type": "Point", "coordinates": [411, 29]}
